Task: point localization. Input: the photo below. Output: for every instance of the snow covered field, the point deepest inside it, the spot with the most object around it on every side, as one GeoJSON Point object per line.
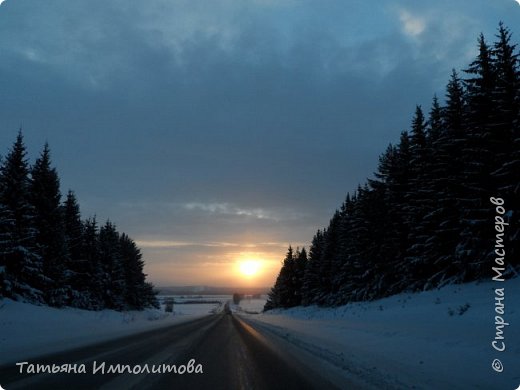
{"type": "Point", "coordinates": [251, 305]}
{"type": "Point", "coordinates": [28, 331]}
{"type": "Point", "coordinates": [438, 339]}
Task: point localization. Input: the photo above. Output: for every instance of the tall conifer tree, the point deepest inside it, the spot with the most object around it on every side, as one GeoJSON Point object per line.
{"type": "Point", "coordinates": [22, 265]}
{"type": "Point", "coordinates": [45, 198]}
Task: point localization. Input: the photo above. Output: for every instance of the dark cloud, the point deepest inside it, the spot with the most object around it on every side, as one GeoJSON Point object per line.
{"type": "Point", "coordinates": [271, 109]}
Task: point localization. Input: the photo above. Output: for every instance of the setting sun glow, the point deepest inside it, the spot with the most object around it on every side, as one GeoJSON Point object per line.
{"type": "Point", "coordinates": [249, 267]}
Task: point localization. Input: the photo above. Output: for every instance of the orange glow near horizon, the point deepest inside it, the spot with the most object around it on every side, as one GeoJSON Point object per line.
{"type": "Point", "coordinates": [246, 268]}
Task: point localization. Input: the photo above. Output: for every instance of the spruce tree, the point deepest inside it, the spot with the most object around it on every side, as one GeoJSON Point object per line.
{"type": "Point", "coordinates": [311, 283]}
{"type": "Point", "coordinates": [73, 230]}
{"type": "Point", "coordinates": [330, 261]}
{"type": "Point", "coordinates": [507, 101]}
{"type": "Point", "coordinates": [367, 236]}
{"type": "Point", "coordinates": [344, 271]}
{"type": "Point", "coordinates": [398, 186]}
{"type": "Point", "coordinates": [133, 273]}
{"type": "Point", "coordinates": [21, 264]}
{"type": "Point", "coordinates": [300, 263]}
{"type": "Point", "coordinates": [45, 198]}
{"type": "Point", "coordinates": [94, 268]}
{"type": "Point", "coordinates": [283, 294]}
{"type": "Point", "coordinates": [507, 126]}
{"type": "Point", "coordinates": [424, 220]}
{"type": "Point", "coordinates": [389, 221]}
{"type": "Point", "coordinates": [114, 283]}
{"type": "Point", "coordinates": [478, 160]}
{"type": "Point", "coordinates": [419, 202]}
{"type": "Point", "coordinates": [79, 273]}
{"type": "Point", "coordinates": [437, 228]}
{"type": "Point", "coordinates": [435, 123]}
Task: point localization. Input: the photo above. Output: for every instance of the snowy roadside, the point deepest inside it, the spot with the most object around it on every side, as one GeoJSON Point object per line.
{"type": "Point", "coordinates": [28, 331]}
{"type": "Point", "coordinates": [430, 340]}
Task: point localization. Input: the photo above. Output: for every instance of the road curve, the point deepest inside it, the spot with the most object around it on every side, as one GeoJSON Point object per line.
{"type": "Point", "coordinates": [231, 353]}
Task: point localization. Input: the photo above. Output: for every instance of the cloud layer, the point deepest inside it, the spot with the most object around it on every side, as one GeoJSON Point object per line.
{"type": "Point", "coordinates": [224, 122]}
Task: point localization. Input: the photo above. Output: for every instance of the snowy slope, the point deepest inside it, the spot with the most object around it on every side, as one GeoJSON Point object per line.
{"type": "Point", "coordinates": [28, 331]}
{"type": "Point", "coordinates": [437, 339]}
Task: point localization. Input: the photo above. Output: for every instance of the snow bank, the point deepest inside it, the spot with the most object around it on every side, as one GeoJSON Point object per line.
{"type": "Point", "coordinates": [27, 331]}
{"type": "Point", "coordinates": [430, 340]}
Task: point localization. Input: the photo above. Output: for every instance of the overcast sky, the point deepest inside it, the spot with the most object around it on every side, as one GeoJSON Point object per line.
{"type": "Point", "coordinates": [216, 131]}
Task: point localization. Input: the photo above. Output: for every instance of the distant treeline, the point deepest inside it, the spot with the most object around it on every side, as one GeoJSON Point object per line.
{"type": "Point", "coordinates": [426, 219]}
{"type": "Point", "coordinates": [198, 291]}
{"type": "Point", "coordinates": [49, 255]}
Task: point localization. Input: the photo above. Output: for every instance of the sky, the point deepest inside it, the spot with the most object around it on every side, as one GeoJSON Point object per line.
{"type": "Point", "coordinates": [217, 132]}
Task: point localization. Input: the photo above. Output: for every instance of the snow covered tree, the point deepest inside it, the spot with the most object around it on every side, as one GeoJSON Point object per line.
{"type": "Point", "coordinates": [48, 255]}
{"type": "Point", "coordinates": [389, 188]}
{"type": "Point", "coordinates": [330, 259]}
{"type": "Point", "coordinates": [418, 204]}
{"type": "Point", "coordinates": [345, 270]}
{"type": "Point", "coordinates": [311, 284]}
{"type": "Point", "coordinates": [507, 103]}
{"type": "Point", "coordinates": [478, 161]}
{"type": "Point", "coordinates": [137, 294]}
{"type": "Point", "coordinates": [507, 125]}
{"type": "Point", "coordinates": [442, 221]}
{"type": "Point", "coordinates": [79, 272]}
{"type": "Point", "coordinates": [21, 264]}
{"type": "Point", "coordinates": [283, 294]}
{"type": "Point", "coordinates": [366, 237]}
{"type": "Point", "coordinates": [45, 198]}
{"type": "Point", "coordinates": [424, 220]}
{"type": "Point", "coordinates": [114, 283]}
{"type": "Point", "coordinates": [95, 273]}
{"type": "Point", "coordinates": [397, 236]}
{"type": "Point", "coordinates": [435, 123]}
{"type": "Point", "coordinates": [300, 263]}
{"type": "Point", "coordinates": [73, 231]}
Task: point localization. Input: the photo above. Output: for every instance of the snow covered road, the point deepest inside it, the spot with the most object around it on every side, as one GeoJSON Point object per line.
{"type": "Point", "coordinates": [226, 353]}
{"type": "Point", "coordinates": [440, 339]}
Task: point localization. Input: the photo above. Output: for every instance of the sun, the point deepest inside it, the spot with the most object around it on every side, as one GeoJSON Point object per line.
{"type": "Point", "coordinates": [249, 268]}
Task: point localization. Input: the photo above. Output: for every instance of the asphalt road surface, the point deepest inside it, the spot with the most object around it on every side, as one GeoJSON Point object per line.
{"type": "Point", "coordinates": [231, 353]}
